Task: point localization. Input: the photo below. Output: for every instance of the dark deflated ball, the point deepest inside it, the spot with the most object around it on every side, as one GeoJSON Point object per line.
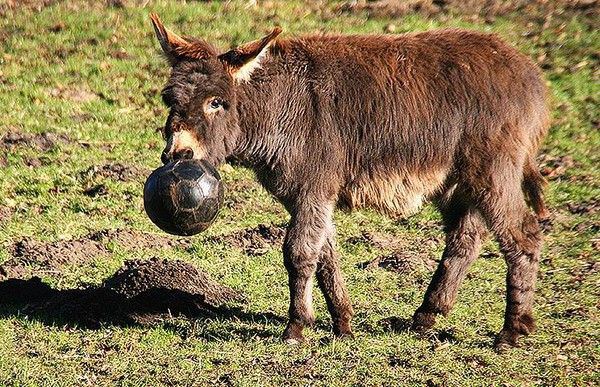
{"type": "Point", "coordinates": [184, 196]}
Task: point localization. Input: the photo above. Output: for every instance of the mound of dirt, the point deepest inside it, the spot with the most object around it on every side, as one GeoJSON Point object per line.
{"type": "Point", "coordinates": [141, 292]}
{"type": "Point", "coordinates": [139, 277]}
{"type": "Point", "coordinates": [257, 240]}
{"type": "Point", "coordinates": [30, 257]}
{"type": "Point", "coordinates": [401, 262]}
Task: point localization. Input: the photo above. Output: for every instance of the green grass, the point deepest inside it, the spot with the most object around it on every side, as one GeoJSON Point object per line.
{"type": "Point", "coordinates": [59, 72]}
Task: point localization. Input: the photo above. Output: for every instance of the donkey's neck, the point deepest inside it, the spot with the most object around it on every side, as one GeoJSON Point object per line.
{"type": "Point", "coordinates": [265, 135]}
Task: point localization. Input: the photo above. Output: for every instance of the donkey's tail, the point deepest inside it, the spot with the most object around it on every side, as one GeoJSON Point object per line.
{"type": "Point", "coordinates": [533, 188]}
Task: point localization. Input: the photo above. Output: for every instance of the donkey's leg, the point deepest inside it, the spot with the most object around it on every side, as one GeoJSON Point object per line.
{"type": "Point", "coordinates": [309, 226]}
{"type": "Point", "coordinates": [520, 239]}
{"type": "Point", "coordinates": [464, 231]}
{"type": "Point", "coordinates": [332, 284]}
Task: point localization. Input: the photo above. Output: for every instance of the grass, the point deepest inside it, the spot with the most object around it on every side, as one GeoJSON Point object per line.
{"type": "Point", "coordinates": [93, 72]}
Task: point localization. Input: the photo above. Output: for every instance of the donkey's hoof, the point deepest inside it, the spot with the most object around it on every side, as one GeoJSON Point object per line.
{"type": "Point", "coordinates": [293, 335]}
{"type": "Point", "coordinates": [346, 335]}
{"type": "Point", "coordinates": [342, 330]}
{"type": "Point", "coordinates": [293, 340]}
{"type": "Point", "coordinates": [505, 340]}
{"type": "Point", "coordinates": [423, 321]}
{"type": "Point", "coordinates": [524, 324]}
{"type": "Point", "coordinates": [502, 347]}
{"type": "Point", "coordinates": [509, 336]}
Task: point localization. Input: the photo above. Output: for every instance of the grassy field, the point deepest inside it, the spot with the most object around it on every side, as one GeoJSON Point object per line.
{"type": "Point", "coordinates": [79, 108]}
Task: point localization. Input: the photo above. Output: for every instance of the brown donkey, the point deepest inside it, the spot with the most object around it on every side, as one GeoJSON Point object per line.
{"type": "Point", "coordinates": [383, 121]}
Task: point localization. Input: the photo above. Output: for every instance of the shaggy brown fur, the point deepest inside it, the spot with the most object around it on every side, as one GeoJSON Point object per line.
{"type": "Point", "coordinates": [384, 121]}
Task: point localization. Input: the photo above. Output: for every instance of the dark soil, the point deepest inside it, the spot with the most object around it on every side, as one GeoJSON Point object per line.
{"type": "Point", "coordinates": [133, 239]}
{"type": "Point", "coordinates": [114, 171]}
{"type": "Point", "coordinates": [30, 257]}
{"type": "Point", "coordinates": [588, 207]}
{"type": "Point", "coordinates": [255, 241]}
{"type": "Point", "coordinates": [402, 262]}
{"type": "Point", "coordinates": [41, 141]}
{"type": "Point", "coordinates": [49, 257]}
{"type": "Point", "coordinates": [141, 292]}
{"type": "Point", "coordinates": [554, 167]}
{"type": "Point", "coordinates": [139, 277]}
{"type": "Point", "coordinates": [120, 54]}
{"type": "Point", "coordinates": [402, 259]}
{"type": "Point", "coordinates": [96, 190]}
{"type": "Point", "coordinates": [380, 241]}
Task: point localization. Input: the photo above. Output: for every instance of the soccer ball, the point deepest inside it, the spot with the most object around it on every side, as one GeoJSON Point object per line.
{"type": "Point", "coordinates": [183, 197]}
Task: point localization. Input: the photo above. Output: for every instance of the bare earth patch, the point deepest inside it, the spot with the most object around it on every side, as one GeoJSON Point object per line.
{"type": "Point", "coordinates": [80, 94]}
{"type": "Point", "coordinates": [554, 167]}
{"type": "Point", "coordinates": [141, 292]}
{"type": "Point", "coordinates": [589, 207]}
{"type": "Point", "coordinates": [114, 171]}
{"type": "Point", "coordinates": [96, 190]}
{"type": "Point", "coordinates": [255, 241]}
{"type": "Point", "coordinates": [402, 259]}
{"type": "Point", "coordinates": [401, 262]}
{"type": "Point", "coordinates": [380, 241]}
{"type": "Point", "coordinates": [41, 141]}
{"type": "Point", "coordinates": [31, 257]}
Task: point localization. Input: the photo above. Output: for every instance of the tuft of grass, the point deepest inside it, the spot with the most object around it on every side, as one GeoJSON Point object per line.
{"type": "Point", "coordinates": [93, 72]}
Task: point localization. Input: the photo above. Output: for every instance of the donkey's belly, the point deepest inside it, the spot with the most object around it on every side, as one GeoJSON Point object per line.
{"type": "Point", "coordinates": [394, 192]}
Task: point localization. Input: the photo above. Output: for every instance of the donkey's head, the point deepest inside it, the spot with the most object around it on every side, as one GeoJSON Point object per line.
{"type": "Point", "coordinates": [201, 94]}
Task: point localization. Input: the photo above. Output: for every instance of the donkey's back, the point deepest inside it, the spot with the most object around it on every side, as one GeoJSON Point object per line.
{"type": "Point", "coordinates": [408, 116]}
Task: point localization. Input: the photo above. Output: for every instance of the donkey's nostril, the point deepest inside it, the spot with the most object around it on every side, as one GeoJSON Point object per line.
{"type": "Point", "coordinates": [185, 153]}
{"type": "Point", "coordinates": [164, 157]}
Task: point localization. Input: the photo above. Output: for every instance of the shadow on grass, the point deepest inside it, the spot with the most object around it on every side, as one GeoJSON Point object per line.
{"type": "Point", "coordinates": [98, 307]}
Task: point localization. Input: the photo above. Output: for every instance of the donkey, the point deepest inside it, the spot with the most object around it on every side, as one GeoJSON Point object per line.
{"type": "Point", "coordinates": [380, 121]}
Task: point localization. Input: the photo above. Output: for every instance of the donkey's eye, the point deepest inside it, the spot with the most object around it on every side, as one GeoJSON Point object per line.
{"type": "Point", "coordinates": [216, 103]}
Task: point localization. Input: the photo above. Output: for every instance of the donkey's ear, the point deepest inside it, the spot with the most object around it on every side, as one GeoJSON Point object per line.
{"type": "Point", "coordinates": [171, 43]}
{"type": "Point", "coordinates": [243, 60]}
